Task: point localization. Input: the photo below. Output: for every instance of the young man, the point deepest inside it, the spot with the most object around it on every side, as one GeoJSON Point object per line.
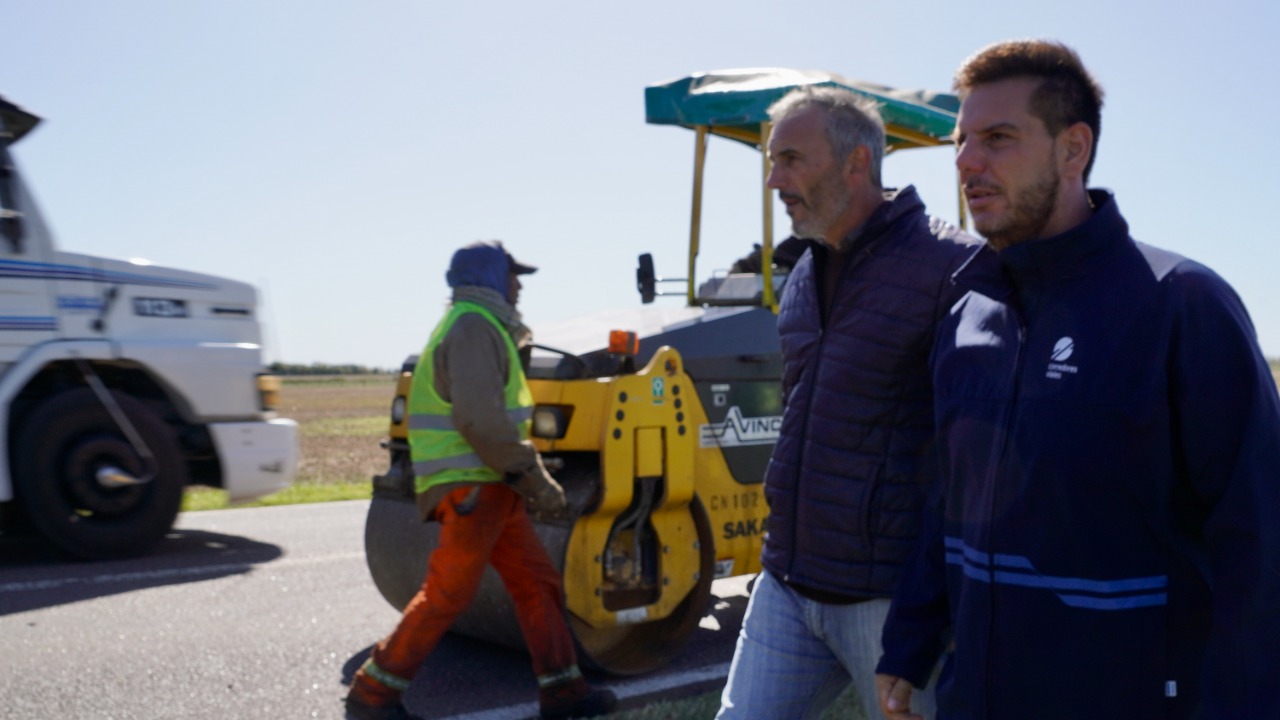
{"type": "Point", "coordinates": [1108, 542]}
{"type": "Point", "coordinates": [848, 475]}
{"type": "Point", "coordinates": [469, 411]}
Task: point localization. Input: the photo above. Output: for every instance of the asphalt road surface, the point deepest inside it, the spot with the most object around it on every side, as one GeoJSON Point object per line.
{"type": "Point", "coordinates": [261, 613]}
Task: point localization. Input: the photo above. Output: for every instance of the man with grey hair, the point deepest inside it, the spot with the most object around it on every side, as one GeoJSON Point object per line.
{"type": "Point", "coordinates": [853, 462]}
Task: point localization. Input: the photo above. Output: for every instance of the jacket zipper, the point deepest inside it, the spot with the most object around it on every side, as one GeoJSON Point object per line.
{"type": "Point", "coordinates": [824, 319]}
{"type": "Point", "coordinates": [795, 486]}
{"type": "Point", "coordinates": [1010, 423]}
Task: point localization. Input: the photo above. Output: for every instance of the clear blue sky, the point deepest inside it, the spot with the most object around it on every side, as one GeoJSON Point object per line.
{"type": "Point", "coordinates": [335, 153]}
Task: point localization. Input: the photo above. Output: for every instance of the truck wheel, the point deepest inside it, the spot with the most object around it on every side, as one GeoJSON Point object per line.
{"type": "Point", "coordinates": [60, 449]}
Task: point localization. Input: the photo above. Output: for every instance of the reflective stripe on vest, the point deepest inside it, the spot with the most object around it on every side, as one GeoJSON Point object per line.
{"type": "Point", "coordinates": [423, 468]}
{"type": "Point", "coordinates": [439, 452]}
{"type": "Point", "coordinates": [441, 422]}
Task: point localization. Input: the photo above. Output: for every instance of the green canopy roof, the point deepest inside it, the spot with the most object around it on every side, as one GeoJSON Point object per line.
{"type": "Point", "coordinates": [733, 103]}
{"type": "Point", "coordinates": [16, 121]}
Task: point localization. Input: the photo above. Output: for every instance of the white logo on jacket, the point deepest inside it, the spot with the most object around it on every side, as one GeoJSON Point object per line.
{"type": "Point", "coordinates": [1062, 350]}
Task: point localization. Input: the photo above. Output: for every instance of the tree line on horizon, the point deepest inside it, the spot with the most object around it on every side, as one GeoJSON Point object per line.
{"type": "Point", "coordinates": [315, 368]}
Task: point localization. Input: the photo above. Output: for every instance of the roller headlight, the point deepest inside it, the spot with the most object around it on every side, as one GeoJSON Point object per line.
{"type": "Point", "coordinates": [551, 421]}
{"type": "Point", "coordinates": [397, 410]}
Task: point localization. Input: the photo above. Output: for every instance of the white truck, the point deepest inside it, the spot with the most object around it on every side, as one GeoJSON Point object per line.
{"type": "Point", "coordinates": [120, 384]}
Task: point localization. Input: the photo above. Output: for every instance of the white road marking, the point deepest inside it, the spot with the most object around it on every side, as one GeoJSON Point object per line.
{"type": "Point", "coordinates": [632, 688]}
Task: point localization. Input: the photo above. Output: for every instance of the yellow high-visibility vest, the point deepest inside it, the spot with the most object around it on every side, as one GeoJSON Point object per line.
{"type": "Point", "coordinates": [439, 452]}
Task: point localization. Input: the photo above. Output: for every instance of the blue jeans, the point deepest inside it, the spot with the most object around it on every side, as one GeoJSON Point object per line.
{"type": "Point", "coordinates": [795, 656]}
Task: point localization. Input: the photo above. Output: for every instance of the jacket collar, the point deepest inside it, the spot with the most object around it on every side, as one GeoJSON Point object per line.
{"type": "Point", "coordinates": [896, 204]}
{"type": "Point", "coordinates": [1066, 256]}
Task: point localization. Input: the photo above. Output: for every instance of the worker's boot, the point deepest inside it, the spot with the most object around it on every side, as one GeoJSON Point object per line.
{"type": "Point", "coordinates": [574, 699]}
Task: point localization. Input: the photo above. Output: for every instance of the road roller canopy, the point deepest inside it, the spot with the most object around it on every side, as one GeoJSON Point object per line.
{"type": "Point", "coordinates": [14, 121]}
{"type": "Point", "coordinates": [734, 104]}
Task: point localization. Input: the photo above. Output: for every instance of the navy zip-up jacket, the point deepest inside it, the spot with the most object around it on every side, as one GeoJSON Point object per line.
{"type": "Point", "coordinates": [1108, 544]}
{"type": "Point", "coordinates": [847, 478]}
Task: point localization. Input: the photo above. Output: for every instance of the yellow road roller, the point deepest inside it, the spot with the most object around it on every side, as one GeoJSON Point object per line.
{"type": "Point", "coordinates": [658, 421]}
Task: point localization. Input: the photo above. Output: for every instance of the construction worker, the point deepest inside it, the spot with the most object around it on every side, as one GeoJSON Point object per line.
{"type": "Point", "coordinates": [469, 416]}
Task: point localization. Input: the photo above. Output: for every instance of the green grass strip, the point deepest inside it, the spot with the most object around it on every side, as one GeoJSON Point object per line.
{"type": "Point", "coordinates": [203, 498]}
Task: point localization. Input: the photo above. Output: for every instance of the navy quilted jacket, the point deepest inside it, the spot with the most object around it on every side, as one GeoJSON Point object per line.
{"type": "Point", "coordinates": [847, 478]}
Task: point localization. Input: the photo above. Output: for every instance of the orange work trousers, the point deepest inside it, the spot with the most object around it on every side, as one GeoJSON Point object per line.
{"type": "Point", "coordinates": [496, 530]}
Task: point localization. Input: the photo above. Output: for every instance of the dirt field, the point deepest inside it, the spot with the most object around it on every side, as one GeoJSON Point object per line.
{"type": "Point", "coordinates": [341, 420]}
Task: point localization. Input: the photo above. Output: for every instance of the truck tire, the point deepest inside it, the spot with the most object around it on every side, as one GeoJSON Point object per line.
{"type": "Point", "coordinates": [60, 449]}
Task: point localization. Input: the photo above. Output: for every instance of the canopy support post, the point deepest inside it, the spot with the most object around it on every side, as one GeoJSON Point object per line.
{"type": "Point", "coordinates": [695, 222]}
{"type": "Point", "coordinates": [766, 248]}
